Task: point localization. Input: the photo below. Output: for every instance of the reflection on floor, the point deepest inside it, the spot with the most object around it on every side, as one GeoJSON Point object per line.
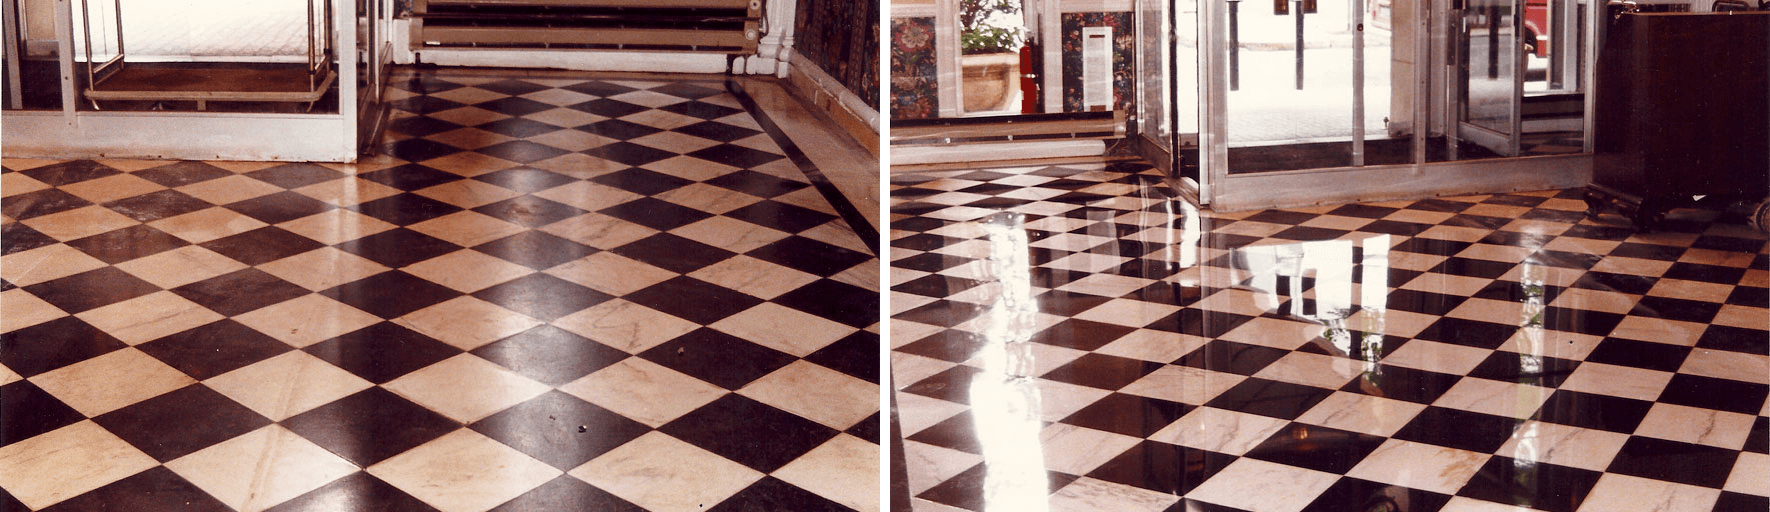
{"type": "Point", "coordinates": [559, 292]}
{"type": "Point", "coordinates": [1317, 155]}
{"type": "Point", "coordinates": [1071, 338]}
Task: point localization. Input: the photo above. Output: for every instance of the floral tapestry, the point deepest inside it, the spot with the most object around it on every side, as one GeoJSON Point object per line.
{"type": "Point", "coordinates": [842, 37]}
{"type": "Point", "coordinates": [1124, 48]}
{"type": "Point", "coordinates": [914, 75]}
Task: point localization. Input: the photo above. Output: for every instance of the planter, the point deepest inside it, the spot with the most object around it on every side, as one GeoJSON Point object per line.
{"type": "Point", "coordinates": [991, 80]}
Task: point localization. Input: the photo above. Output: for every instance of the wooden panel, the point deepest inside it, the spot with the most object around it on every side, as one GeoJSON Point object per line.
{"type": "Point", "coordinates": [220, 82]}
{"type": "Point", "coordinates": [573, 36]}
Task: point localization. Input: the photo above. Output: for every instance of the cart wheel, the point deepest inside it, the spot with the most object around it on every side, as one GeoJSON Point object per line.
{"type": "Point", "coordinates": [1594, 203]}
{"type": "Point", "coordinates": [1649, 214]}
{"type": "Point", "coordinates": [1761, 216]}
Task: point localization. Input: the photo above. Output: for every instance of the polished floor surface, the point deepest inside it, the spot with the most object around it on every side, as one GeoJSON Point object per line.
{"type": "Point", "coordinates": [1070, 339]}
{"type": "Point", "coordinates": [554, 291]}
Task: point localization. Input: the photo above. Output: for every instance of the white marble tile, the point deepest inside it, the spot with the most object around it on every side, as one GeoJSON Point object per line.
{"type": "Point", "coordinates": [1077, 450]}
{"type": "Point", "coordinates": [261, 469]}
{"type": "Point", "coordinates": [845, 470]}
{"type": "Point", "coordinates": [928, 465]}
{"type": "Point", "coordinates": [782, 328]}
{"type": "Point", "coordinates": [111, 381]}
{"type": "Point", "coordinates": [1504, 399]}
{"type": "Point", "coordinates": [1563, 445]}
{"type": "Point", "coordinates": [1088, 494]}
{"type": "Point", "coordinates": [66, 462]}
{"type": "Point", "coordinates": [1218, 430]}
{"type": "Point", "coordinates": [826, 396]}
{"type": "Point", "coordinates": [1751, 474]}
{"type": "Point", "coordinates": [467, 322]}
{"type": "Point", "coordinates": [1419, 466]}
{"type": "Point", "coordinates": [1623, 381]}
{"type": "Point", "coordinates": [149, 317]}
{"type": "Point", "coordinates": [1360, 413]}
{"type": "Point", "coordinates": [1709, 427]}
{"type": "Point", "coordinates": [1258, 485]}
{"type": "Point", "coordinates": [625, 325]}
{"type": "Point", "coordinates": [644, 391]}
{"type": "Point", "coordinates": [1727, 364]}
{"type": "Point", "coordinates": [1616, 491]}
{"type": "Point", "coordinates": [466, 388]}
{"type": "Point", "coordinates": [463, 471]}
{"type": "Point", "coordinates": [286, 385]}
{"type": "Point", "coordinates": [1183, 384]}
{"type": "Point", "coordinates": [659, 472]}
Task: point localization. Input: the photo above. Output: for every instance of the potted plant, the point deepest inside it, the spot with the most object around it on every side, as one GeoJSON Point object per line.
{"type": "Point", "coordinates": [990, 35]}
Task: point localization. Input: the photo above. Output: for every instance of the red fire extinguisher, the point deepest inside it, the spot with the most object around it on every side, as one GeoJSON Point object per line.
{"type": "Point", "coordinates": [1029, 81]}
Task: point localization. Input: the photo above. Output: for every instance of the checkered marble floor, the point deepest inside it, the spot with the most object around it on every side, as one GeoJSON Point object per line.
{"type": "Point", "coordinates": [553, 292]}
{"type": "Point", "coordinates": [1070, 338]}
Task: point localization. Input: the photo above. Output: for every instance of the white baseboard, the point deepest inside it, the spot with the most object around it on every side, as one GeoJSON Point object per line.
{"type": "Point", "coordinates": [984, 152]}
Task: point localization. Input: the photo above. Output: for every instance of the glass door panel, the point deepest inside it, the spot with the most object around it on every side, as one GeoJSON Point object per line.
{"type": "Point", "coordinates": [1491, 67]}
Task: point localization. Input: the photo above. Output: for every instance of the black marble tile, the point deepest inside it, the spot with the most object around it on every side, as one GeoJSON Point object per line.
{"type": "Point", "coordinates": [1706, 273]}
{"type": "Point", "coordinates": [1080, 334]}
{"type": "Point", "coordinates": [629, 153]}
{"type": "Point", "coordinates": [599, 88]}
{"type": "Point", "coordinates": [607, 107]}
{"type": "Point", "coordinates": [262, 245]}
{"type": "Point", "coordinates": [1744, 502]}
{"type": "Point", "coordinates": [181, 422]}
{"type": "Point", "coordinates": [1639, 354]}
{"type": "Point", "coordinates": [722, 359]}
{"type": "Point", "coordinates": [297, 175]}
{"type": "Point", "coordinates": [1647, 251]}
{"type": "Point", "coordinates": [157, 205]}
{"type": "Point", "coordinates": [560, 430]}
{"type": "Point", "coordinates": [157, 488]}
{"type": "Point", "coordinates": [1352, 494]}
{"type": "Point", "coordinates": [512, 87]}
{"type": "Point", "coordinates": [1473, 268]}
{"type": "Point", "coordinates": [1736, 339]}
{"type": "Point", "coordinates": [618, 129]}
{"type": "Point", "coordinates": [715, 130]}
{"type": "Point", "coordinates": [1594, 323]}
{"type": "Point", "coordinates": [1231, 357]}
{"type": "Point", "coordinates": [781, 216]}
{"type": "Point", "coordinates": [567, 493]}
{"type": "Point", "coordinates": [525, 180]}
{"type": "Point", "coordinates": [514, 106]}
{"type": "Point", "coordinates": [421, 126]}
{"type": "Point", "coordinates": [1593, 411]}
{"type": "Point", "coordinates": [1431, 246]}
{"type": "Point", "coordinates": [959, 432]}
{"type": "Point", "coordinates": [856, 355]}
{"type": "Point", "coordinates": [1534, 370]}
{"type": "Point", "coordinates": [936, 285]}
{"type": "Point", "coordinates": [673, 253]}
{"type": "Point", "coordinates": [1455, 428]}
{"type": "Point", "coordinates": [17, 237]}
{"type": "Point", "coordinates": [213, 349]}
{"type": "Point", "coordinates": [182, 173]}
{"type": "Point", "coordinates": [951, 345]}
{"type": "Point", "coordinates": [31, 205]}
{"type": "Point", "coordinates": [749, 432]}
{"type": "Point", "coordinates": [866, 429]}
{"type": "Point", "coordinates": [1753, 296]}
{"type": "Point", "coordinates": [1562, 259]}
{"type": "Point", "coordinates": [1130, 415]}
{"type": "Point", "coordinates": [1717, 394]}
{"type": "Point", "coordinates": [382, 352]}
{"type": "Point", "coordinates": [398, 247]}
{"type": "Point", "coordinates": [80, 292]}
{"type": "Point", "coordinates": [1537, 485]}
{"type": "Point", "coordinates": [390, 294]}
{"type": "Point", "coordinates": [280, 207]}
{"type": "Point", "coordinates": [536, 250]}
{"type": "Point", "coordinates": [695, 300]}
{"type": "Point", "coordinates": [1393, 227]}
{"type": "Point", "coordinates": [1428, 303]}
{"type": "Point", "coordinates": [358, 491]}
{"type": "Point", "coordinates": [1162, 467]}
{"type": "Point", "coordinates": [550, 355]}
{"type": "Point", "coordinates": [952, 385]}
{"type": "Point", "coordinates": [756, 183]}
{"type": "Point", "coordinates": [810, 256]}
{"type": "Point", "coordinates": [1309, 233]}
{"type": "Point", "coordinates": [1672, 461]}
{"type": "Point", "coordinates": [128, 243]}
{"type": "Point", "coordinates": [641, 181]}
{"type": "Point", "coordinates": [393, 423]}
{"type": "Point", "coordinates": [405, 209]}
{"type": "Point", "coordinates": [521, 151]}
{"type": "Point", "coordinates": [656, 214]}
{"type": "Point", "coordinates": [519, 127]}
{"type": "Point", "coordinates": [38, 412]}
{"type": "Point", "coordinates": [71, 172]}
{"type": "Point", "coordinates": [1102, 371]}
{"type": "Point", "coordinates": [426, 104]}
{"type": "Point", "coordinates": [1198, 322]}
{"type": "Point", "coordinates": [9, 503]}
{"type": "Point", "coordinates": [1682, 310]}
{"type": "Point", "coordinates": [530, 211]}
{"type": "Point", "coordinates": [410, 177]}
{"type": "Point", "coordinates": [240, 291]}
{"type": "Point", "coordinates": [700, 109]}
{"type": "Point", "coordinates": [772, 494]}
{"type": "Point", "coordinates": [542, 296]}
{"type": "Point", "coordinates": [1276, 399]}
{"type": "Point", "coordinates": [735, 156]}
{"type": "Point", "coordinates": [1315, 447]}
{"type": "Point", "coordinates": [1611, 282]}
{"type": "Point", "coordinates": [1468, 333]}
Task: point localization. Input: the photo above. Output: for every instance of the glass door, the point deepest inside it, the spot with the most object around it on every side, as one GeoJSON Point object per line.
{"type": "Point", "coordinates": [1489, 59]}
